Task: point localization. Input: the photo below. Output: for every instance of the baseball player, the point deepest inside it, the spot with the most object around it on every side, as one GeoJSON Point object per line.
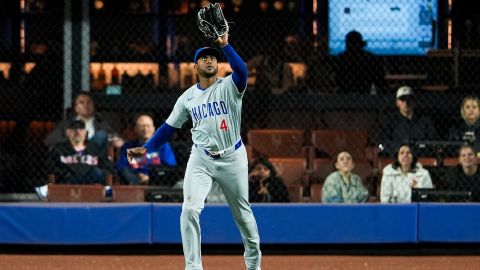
{"type": "Point", "coordinates": [218, 154]}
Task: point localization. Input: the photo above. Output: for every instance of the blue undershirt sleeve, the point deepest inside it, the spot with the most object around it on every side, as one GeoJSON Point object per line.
{"type": "Point", "coordinates": [122, 161]}
{"type": "Point", "coordinates": [167, 156]}
{"type": "Point", "coordinates": [161, 136]}
{"type": "Point", "coordinates": [240, 72]}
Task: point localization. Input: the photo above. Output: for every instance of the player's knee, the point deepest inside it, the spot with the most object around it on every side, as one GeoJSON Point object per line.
{"type": "Point", "coordinates": [189, 212]}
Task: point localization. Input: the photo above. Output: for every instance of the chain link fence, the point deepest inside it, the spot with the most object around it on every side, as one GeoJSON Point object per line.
{"type": "Point", "coordinates": [323, 78]}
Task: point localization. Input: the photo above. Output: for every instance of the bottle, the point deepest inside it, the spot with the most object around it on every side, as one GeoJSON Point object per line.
{"type": "Point", "coordinates": [115, 75]}
{"type": "Point", "coordinates": [108, 193]}
{"type": "Point", "coordinates": [150, 80]}
{"type": "Point", "coordinates": [101, 78]}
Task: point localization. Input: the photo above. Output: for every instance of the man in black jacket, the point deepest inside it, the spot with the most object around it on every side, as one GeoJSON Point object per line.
{"type": "Point", "coordinates": [405, 125]}
{"type": "Point", "coordinates": [78, 161]}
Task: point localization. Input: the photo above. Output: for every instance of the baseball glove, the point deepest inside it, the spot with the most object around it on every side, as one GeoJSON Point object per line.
{"type": "Point", "coordinates": [211, 21]}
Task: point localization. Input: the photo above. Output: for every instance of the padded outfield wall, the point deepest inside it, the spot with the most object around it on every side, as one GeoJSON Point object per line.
{"type": "Point", "coordinates": [146, 223]}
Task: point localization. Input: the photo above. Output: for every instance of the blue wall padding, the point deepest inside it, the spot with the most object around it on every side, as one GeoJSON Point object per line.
{"type": "Point", "coordinates": [75, 223]}
{"type": "Point", "coordinates": [449, 223]}
{"type": "Point", "coordinates": [166, 223]}
{"type": "Point", "coordinates": [335, 223]}
{"type": "Point", "coordinates": [145, 223]}
{"type": "Point", "coordinates": [216, 223]}
{"type": "Point", "coordinates": [298, 223]}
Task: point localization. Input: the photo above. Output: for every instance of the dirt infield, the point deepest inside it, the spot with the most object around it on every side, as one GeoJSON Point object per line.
{"type": "Point", "coordinates": [220, 262]}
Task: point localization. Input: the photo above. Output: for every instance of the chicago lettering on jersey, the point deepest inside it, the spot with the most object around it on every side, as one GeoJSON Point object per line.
{"type": "Point", "coordinates": [206, 110]}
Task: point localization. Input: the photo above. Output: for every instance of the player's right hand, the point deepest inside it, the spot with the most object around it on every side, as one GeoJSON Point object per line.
{"type": "Point", "coordinates": [135, 152]}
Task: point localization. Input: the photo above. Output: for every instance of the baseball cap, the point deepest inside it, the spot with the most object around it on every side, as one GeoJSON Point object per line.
{"type": "Point", "coordinates": [206, 51]}
{"type": "Point", "coordinates": [404, 91]}
{"type": "Point", "coordinates": [76, 124]}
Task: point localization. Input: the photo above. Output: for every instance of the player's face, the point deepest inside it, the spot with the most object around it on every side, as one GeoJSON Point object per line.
{"type": "Point", "coordinates": [471, 111]}
{"type": "Point", "coordinates": [344, 162]}
{"type": "Point", "coordinates": [405, 156]}
{"type": "Point", "coordinates": [207, 66]}
{"type": "Point", "coordinates": [144, 127]}
{"type": "Point", "coordinates": [467, 157]}
{"type": "Point", "coordinates": [76, 136]}
{"type": "Point", "coordinates": [84, 106]}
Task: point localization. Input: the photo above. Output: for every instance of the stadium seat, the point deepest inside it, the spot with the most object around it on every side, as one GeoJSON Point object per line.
{"type": "Point", "coordinates": [290, 170]}
{"type": "Point", "coordinates": [127, 193]}
{"type": "Point", "coordinates": [6, 128]}
{"type": "Point", "coordinates": [76, 193]}
{"type": "Point", "coordinates": [384, 162]}
{"type": "Point", "coordinates": [108, 179]}
{"type": "Point", "coordinates": [364, 170]}
{"type": "Point", "coordinates": [332, 141]}
{"type": "Point", "coordinates": [322, 167]}
{"type": "Point", "coordinates": [277, 143]}
{"type": "Point", "coordinates": [428, 161]}
{"type": "Point", "coordinates": [449, 162]}
{"type": "Point", "coordinates": [316, 192]}
{"type": "Point", "coordinates": [39, 129]}
{"type": "Point", "coordinates": [295, 193]}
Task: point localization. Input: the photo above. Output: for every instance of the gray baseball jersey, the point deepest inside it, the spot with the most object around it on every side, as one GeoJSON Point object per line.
{"type": "Point", "coordinates": [215, 112]}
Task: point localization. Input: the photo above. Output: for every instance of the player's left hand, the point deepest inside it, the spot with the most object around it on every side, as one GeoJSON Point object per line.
{"type": "Point", "coordinates": [222, 41]}
{"type": "Point", "coordinates": [135, 152]}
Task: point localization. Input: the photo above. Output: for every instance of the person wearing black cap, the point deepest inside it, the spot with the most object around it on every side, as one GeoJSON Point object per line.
{"type": "Point", "coordinates": [405, 126]}
{"type": "Point", "coordinates": [214, 106]}
{"type": "Point", "coordinates": [77, 161]}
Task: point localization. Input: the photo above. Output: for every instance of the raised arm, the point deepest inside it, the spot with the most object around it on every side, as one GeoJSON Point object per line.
{"type": "Point", "coordinates": [239, 68]}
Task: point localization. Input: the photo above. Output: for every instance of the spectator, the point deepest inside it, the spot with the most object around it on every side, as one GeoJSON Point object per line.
{"type": "Point", "coordinates": [273, 75]}
{"type": "Point", "coordinates": [401, 176]}
{"type": "Point", "coordinates": [357, 70]}
{"type": "Point", "coordinates": [466, 175]}
{"type": "Point", "coordinates": [139, 173]}
{"type": "Point", "coordinates": [78, 161]}
{"type": "Point", "coordinates": [264, 185]}
{"type": "Point", "coordinates": [343, 186]}
{"type": "Point", "coordinates": [469, 129]}
{"type": "Point", "coordinates": [99, 130]}
{"type": "Point", "coordinates": [405, 126]}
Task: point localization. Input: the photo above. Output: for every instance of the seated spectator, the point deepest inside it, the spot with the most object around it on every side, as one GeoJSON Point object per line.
{"type": "Point", "coordinates": [466, 175]}
{"type": "Point", "coordinates": [272, 75]}
{"type": "Point", "coordinates": [343, 186]}
{"type": "Point", "coordinates": [469, 129]}
{"type": "Point", "coordinates": [264, 185]}
{"type": "Point", "coordinates": [78, 161]}
{"type": "Point", "coordinates": [99, 131]}
{"type": "Point", "coordinates": [401, 176]}
{"type": "Point", "coordinates": [139, 173]}
{"type": "Point", "coordinates": [357, 70]}
{"type": "Point", "coordinates": [404, 126]}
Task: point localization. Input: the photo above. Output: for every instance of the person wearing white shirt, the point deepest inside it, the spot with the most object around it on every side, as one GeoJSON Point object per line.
{"type": "Point", "coordinates": [401, 176]}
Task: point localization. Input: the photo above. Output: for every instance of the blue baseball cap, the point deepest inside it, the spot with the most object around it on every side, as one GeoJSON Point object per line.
{"type": "Point", "coordinates": [206, 51]}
